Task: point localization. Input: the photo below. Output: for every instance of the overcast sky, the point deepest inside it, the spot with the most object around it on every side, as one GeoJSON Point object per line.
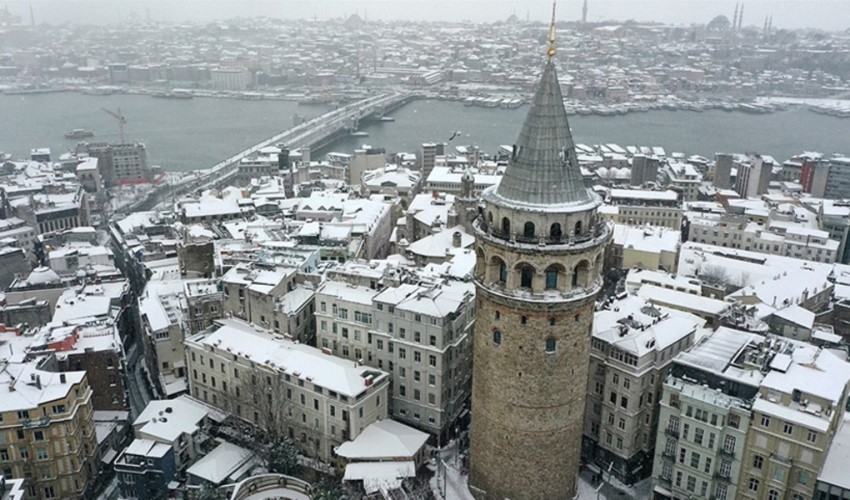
{"type": "Point", "coordinates": [826, 14]}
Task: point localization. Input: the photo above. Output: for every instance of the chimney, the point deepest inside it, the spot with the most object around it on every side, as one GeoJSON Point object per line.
{"type": "Point", "coordinates": [457, 239]}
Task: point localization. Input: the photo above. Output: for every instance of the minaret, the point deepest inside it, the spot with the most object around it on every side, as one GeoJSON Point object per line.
{"type": "Point", "coordinates": [584, 13]}
{"type": "Point", "coordinates": [764, 30]}
{"type": "Point", "coordinates": [735, 19]}
{"type": "Point", "coordinates": [539, 248]}
{"type": "Point", "coordinates": [466, 204]}
{"type": "Point", "coordinates": [741, 17]}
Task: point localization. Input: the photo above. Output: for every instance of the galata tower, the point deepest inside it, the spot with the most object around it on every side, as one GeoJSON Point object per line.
{"type": "Point", "coordinates": [539, 247]}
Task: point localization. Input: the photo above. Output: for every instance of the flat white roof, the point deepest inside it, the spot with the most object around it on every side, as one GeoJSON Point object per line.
{"type": "Point", "coordinates": [309, 363]}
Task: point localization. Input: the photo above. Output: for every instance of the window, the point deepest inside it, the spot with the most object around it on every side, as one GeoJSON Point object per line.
{"type": "Point", "coordinates": [624, 402]}
{"type": "Point", "coordinates": [613, 398]}
{"type": "Point", "coordinates": [526, 277]}
{"type": "Point", "coordinates": [707, 469]}
{"type": "Point", "coordinates": [765, 421]}
{"type": "Point", "coordinates": [811, 437]}
{"type": "Point", "coordinates": [503, 273]}
{"type": "Point", "coordinates": [758, 461]}
{"type": "Point", "coordinates": [38, 435]}
{"type": "Point", "coordinates": [682, 454]}
{"type": "Point", "coordinates": [788, 428]}
{"type": "Point", "coordinates": [551, 278]}
{"type": "Point", "coordinates": [555, 231]}
{"type": "Point", "coordinates": [721, 492]}
{"type": "Point", "coordinates": [695, 459]}
{"type": "Point", "coordinates": [506, 226]}
{"type": "Point", "coordinates": [497, 337]}
{"type": "Point", "coordinates": [528, 230]}
{"type": "Point", "coordinates": [773, 495]}
{"type": "Point", "coordinates": [432, 360]}
{"type": "Point", "coordinates": [725, 468]}
{"type": "Point", "coordinates": [698, 435]}
{"type": "Point", "coordinates": [729, 444]}
{"type": "Point", "coordinates": [550, 346]}
{"type": "Point", "coordinates": [692, 483]}
{"type": "Point", "coordinates": [753, 484]}
{"type": "Point", "coordinates": [803, 477]}
{"type": "Point", "coordinates": [41, 454]}
{"type": "Point", "coordinates": [432, 379]}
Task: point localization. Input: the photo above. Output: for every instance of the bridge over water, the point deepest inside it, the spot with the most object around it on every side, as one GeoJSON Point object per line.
{"type": "Point", "coordinates": [313, 133]}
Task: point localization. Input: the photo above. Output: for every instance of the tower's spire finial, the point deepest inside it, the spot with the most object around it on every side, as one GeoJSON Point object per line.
{"type": "Point", "coordinates": [551, 50]}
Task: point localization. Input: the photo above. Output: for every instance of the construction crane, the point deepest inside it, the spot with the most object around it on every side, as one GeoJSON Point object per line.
{"type": "Point", "coordinates": [121, 121]}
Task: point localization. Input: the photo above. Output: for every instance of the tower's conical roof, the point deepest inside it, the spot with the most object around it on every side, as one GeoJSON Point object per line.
{"type": "Point", "coordinates": [543, 169]}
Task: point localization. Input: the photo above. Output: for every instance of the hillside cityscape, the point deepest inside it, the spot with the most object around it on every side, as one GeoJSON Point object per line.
{"type": "Point", "coordinates": [371, 259]}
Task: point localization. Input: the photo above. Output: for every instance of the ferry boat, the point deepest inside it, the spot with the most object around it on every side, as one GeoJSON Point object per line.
{"type": "Point", "coordinates": [79, 133]}
{"type": "Point", "coordinates": [359, 133]}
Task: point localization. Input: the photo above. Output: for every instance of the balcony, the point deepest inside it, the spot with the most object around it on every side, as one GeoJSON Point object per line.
{"type": "Point", "coordinates": [720, 476]}
{"type": "Point", "coordinates": [670, 455]}
{"type": "Point", "coordinates": [598, 233]}
{"type": "Point", "coordinates": [35, 422]}
{"type": "Point", "coordinates": [725, 452]}
{"type": "Point", "coordinates": [673, 433]}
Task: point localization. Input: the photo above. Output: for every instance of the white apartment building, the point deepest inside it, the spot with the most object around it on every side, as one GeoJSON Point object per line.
{"type": "Point", "coordinates": [317, 399]}
{"type": "Point", "coordinates": [633, 345]}
{"type": "Point", "coordinates": [423, 336]}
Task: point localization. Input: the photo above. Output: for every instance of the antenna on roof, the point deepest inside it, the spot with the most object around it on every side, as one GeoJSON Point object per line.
{"type": "Point", "coordinates": [551, 50]}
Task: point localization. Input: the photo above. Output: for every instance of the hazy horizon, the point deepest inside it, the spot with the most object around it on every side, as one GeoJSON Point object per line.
{"type": "Point", "coordinates": [830, 15]}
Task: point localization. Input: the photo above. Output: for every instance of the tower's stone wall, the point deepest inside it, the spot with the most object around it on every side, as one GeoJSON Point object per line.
{"type": "Point", "coordinates": [527, 403]}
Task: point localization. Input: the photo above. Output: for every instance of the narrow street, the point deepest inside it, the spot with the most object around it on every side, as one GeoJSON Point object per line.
{"type": "Point", "coordinates": [136, 386]}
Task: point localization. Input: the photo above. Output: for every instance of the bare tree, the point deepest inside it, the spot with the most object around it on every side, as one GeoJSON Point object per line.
{"type": "Point", "coordinates": [714, 275]}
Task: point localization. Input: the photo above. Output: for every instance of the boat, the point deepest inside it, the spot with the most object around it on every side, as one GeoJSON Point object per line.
{"type": "Point", "coordinates": [359, 133]}
{"type": "Point", "coordinates": [387, 119]}
{"type": "Point", "coordinates": [79, 133]}
{"type": "Point", "coordinates": [175, 94]}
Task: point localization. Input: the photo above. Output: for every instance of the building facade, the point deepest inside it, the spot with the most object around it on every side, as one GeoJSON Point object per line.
{"type": "Point", "coordinates": [539, 250]}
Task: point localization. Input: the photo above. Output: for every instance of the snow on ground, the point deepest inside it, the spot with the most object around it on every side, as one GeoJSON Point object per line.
{"type": "Point", "coordinates": [457, 487]}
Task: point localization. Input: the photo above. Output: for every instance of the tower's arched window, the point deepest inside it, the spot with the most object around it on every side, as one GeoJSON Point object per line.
{"type": "Point", "coordinates": [503, 272]}
{"type": "Point", "coordinates": [551, 278]}
{"type": "Point", "coordinates": [506, 226]}
{"type": "Point", "coordinates": [555, 231]}
{"type": "Point", "coordinates": [490, 218]}
{"type": "Point", "coordinates": [526, 277]}
{"type": "Point", "coordinates": [497, 337]}
{"type": "Point", "coordinates": [575, 277]}
{"type": "Point", "coordinates": [550, 346]}
{"type": "Point", "coordinates": [578, 228]}
{"type": "Point", "coordinates": [528, 230]}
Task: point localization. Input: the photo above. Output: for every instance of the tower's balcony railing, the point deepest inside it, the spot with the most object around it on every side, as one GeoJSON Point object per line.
{"type": "Point", "coordinates": [548, 295]}
{"type": "Point", "coordinates": [597, 233]}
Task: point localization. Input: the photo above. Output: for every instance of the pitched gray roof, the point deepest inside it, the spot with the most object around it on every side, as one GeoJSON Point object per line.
{"type": "Point", "coordinates": [544, 169]}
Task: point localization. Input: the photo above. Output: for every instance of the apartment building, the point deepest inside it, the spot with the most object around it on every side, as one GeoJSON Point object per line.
{"type": "Point", "coordinates": [703, 419]}
{"type": "Point", "coordinates": [344, 320]}
{"type": "Point", "coordinates": [641, 207]}
{"type": "Point", "coordinates": [317, 399]}
{"type": "Point", "coordinates": [633, 345]}
{"type": "Point", "coordinates": [251, 291]}
{"type": "Point", "coordinates": [683, 178]}
{"type": "Point", "coordinates": [46, 430]}
{"type": "Point", "coordinates": [422, 334]}
{"type": "Point", "coordinates": [797, 411]}
{"type": "Point", "coordinates": [737, 231]}
{"type": "Point", "coordinates": [770, 407]}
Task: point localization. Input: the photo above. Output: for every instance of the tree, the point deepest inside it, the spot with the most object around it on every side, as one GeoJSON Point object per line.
{"type": "Point", "coordinates": [329, 489]}
{"type": "Point", "coordinates": [281, 457]}
{"type": "Point", "coordinates": [714, 275]}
